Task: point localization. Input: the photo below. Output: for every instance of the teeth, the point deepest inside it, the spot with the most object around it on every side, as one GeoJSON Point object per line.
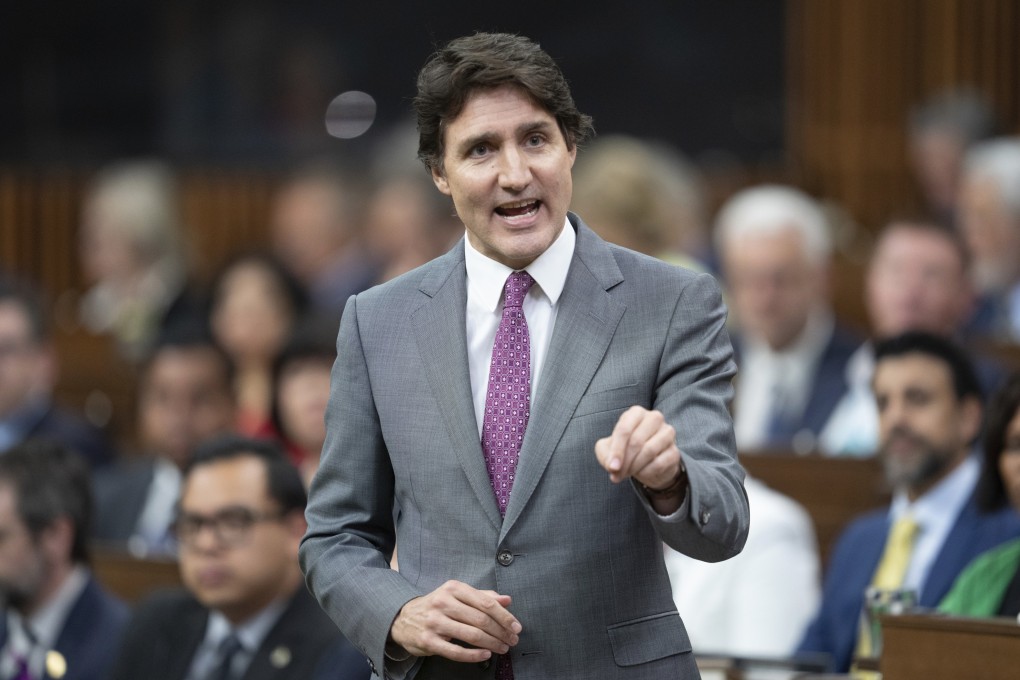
{"type": "Point", "coordinates": [518, 204]}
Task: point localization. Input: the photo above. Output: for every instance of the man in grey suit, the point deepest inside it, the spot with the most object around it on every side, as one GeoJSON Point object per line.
{"type": "Point", "coordinates": [528, 445]}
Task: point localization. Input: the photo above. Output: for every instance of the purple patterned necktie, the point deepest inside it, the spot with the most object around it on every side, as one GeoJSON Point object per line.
{"type": "Point", "coordinates": [508, 398]}
{"type": "Point", "coordinates": [23, 673]}
{"type": "Point", "coordinates": [508, 404]}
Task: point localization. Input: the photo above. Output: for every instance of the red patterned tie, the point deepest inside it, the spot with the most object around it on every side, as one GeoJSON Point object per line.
{"type": "Point", "coordinates": [508, 404]}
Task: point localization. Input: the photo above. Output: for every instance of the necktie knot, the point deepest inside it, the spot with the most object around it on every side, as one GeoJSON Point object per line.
{"type": "Point", "coordinates": [516, 287]}
{"type": "Point", "coordinates": [229, 648]}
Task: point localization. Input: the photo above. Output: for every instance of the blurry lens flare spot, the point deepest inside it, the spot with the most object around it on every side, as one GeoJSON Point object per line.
{"type": "Point", "coordinates": [350, 114]}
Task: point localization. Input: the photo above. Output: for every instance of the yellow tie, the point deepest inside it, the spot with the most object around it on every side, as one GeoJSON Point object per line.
{"type": "Point", "coordinates": [888, 576]}
{"type": "Point", "coordinates": [896, 557]}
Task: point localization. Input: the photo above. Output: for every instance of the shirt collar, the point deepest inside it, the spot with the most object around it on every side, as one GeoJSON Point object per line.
{"type": "Point", "coordinates": [810, 344]}
{"type": "Point", "coordinates": [251, 633]}
{"type": "Point", "coordinates": [486, 277]}
{"type": "Point", "coordinates": [945, 499]}
{"type": "Point", "coordinates": [49, 619]}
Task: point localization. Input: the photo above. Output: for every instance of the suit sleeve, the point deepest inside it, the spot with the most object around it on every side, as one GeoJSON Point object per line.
{"type": "Point", "coordinates": [345, 552]}
{"type": "Point", "coordinates": [693, 393]}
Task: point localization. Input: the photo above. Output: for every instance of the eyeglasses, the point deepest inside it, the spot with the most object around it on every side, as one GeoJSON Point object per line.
{"type": "Point", "coordinates": [230, 526]}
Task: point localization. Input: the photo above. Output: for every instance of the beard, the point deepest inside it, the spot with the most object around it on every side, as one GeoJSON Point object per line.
{"type": "Point", "coordinates": [925, 462]}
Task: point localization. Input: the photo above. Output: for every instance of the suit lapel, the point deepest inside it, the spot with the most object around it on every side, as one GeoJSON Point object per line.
{"type": "Point", "coordinates": [586, 320]}
{"type": "Point", "coordinates": [440, 330]}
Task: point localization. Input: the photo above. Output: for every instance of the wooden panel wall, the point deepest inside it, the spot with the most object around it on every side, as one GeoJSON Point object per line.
{"type": "Point", "coordinates": [854, 70]}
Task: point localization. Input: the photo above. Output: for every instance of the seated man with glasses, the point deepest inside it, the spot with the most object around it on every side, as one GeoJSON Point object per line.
{"type": "Point", "coordinates": [246, 612]}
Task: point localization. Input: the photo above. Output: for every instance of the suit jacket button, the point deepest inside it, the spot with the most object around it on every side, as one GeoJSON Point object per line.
{"type": "Point", "coordinates": [505, 557]}
{"type": "Point", "coordinates": [705, 516]}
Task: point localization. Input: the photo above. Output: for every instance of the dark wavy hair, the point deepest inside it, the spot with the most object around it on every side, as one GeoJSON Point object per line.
{"type": "Point", "coordinates": [991, 492]}
{"type": "Point", "coordinates": [485, 61]}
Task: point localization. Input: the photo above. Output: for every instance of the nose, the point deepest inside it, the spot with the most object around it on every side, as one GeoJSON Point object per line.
{"type": "Point", "coordinates": [514, 170]}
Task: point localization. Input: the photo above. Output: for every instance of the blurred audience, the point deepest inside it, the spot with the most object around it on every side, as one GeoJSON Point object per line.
{"type": "Point", "coordinates": [990, 585]}
{"type": "Point", "coordinates": [57, 621]}
{"type": "Point", "coordinates": [185, 398]}
{"type": "Point", "coordinates": [301, 391]}
{"type": "Point", "coordinates": [775, 250]}
{"type": "Point", "coordinates": [642, 196]}
{"type": "Point", "coordinates": [917, 279]}
{"type": "Point", "coordinates": [929, 409]}
{"type": "Point", "coordinates": [254, 304]}
{"type": "Point", "coordinates": [758, 603]}
{"type": "Point", "coordinates": [315, 225]}
{"type": "Point", "coordinates": [28, 374]}
{"type": "Point", "coordinates": [940, 131]}
{"type": "Point", "coordinates": [245, 611]}
{"type": "Point", "coordinates": [990, 223]}
{"type": "Point", "coordinates": [406, 224]}
{"type": "Point", "coordinates": [130, 246]}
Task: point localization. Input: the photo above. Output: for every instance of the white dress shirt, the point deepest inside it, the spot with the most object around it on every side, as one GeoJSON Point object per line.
{"type": "Point", "coordinates": [251, 633]}
{"type": "Point", "coordinates": [768, 377]}
{"type": "Point", "coordinates": [758, 603]}
{"type": "Point", "coordinates": [485, 281]}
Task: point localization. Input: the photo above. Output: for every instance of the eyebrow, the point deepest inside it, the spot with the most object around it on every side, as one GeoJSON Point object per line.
{"type": "Point", "coordinates": [488, 136]}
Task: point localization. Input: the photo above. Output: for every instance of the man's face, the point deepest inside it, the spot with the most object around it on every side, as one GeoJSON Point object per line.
{"type": "Point", "coordinates": [308, 228]}
{"type": "Point", "coordinates": [991, 232]}
{"type": "Point", "coordinates": [917, 281]}
{"type": "Point", "coordinates": [773, 285]}
{"type": "Point", "coordinates": [23, 566]}
{"type": "Point", "coordinates": [924, 430]}
{"type": "Point", "coordinates": [507, 167]}
{"type": "Point", "coordinates": [258, 564]}
{"type": "Point", "coordinates": [185, 400]}
{"type": "Point", "coordinates": [25, 365]}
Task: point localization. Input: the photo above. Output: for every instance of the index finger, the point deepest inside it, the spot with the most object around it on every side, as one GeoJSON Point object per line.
{"type": "Point", "coordinates": [618, 440]}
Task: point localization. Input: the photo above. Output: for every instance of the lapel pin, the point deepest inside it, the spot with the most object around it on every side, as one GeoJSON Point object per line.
{"type": "Point", "coordinates": [280, 657]}
{"type": "Point", "coordinates": [56, 664]}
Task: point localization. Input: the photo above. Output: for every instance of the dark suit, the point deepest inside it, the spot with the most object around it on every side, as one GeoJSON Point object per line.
{"type": "Point", "coordinates": [167, 629]}
{"type": "Point", "coordinates": [856, 556]}
{"type": "Point", "coordinates": [121, 492]}
{"type": "Point", "coordinates": [90, 636]}
{"type": "Point", "coordinates": [828, 385]}
{"type": "Point", "coordinates": [48, 421]}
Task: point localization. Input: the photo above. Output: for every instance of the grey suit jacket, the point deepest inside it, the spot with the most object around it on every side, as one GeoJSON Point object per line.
{"type": "Point", "coordinates": [580, 556]}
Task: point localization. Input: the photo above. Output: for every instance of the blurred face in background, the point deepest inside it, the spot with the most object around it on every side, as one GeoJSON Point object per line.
{"type": "Point", "coordinates": [773, 285]}
{"type": "Point", "coordinates": [26, 367]}
{"type": "Point", "coordinates": [248, 558]}
{"type": "Point", "coordinates": [23, 563]}
{"type": "Point", "coordinates": [308, 226]}
{"type": "Point", "coordinates": [302, 393]}
{"type": "Point", "coordinates": [917, 281]}
{"type": "Point", "coordinates": [992, 234]}
{"type": "Point", "coordinates": [251, 314]}
{"type": "Point", "coordinates": [186, 398]}
{"type": "Point", "coordinates": [1009, 461]}
{"type": "Point", "coordinates": [924, 429]}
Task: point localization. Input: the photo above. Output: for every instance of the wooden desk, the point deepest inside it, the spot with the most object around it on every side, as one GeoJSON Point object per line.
{"type": "Point", "coordinates": [832, 490]}
{"type": "Point", "coordinates": [132, 578]}
{"type": "Point", "coordinates": [949, 648]}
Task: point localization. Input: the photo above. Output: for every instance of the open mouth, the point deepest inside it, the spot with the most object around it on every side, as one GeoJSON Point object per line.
{"type": "Point", "coordinates": [519, 209]}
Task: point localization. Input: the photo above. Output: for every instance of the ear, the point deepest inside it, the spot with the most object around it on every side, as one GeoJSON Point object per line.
{"type": "Point", "coordinates": [295, 524]}
{"type": "Point", "coordinates": [573, 154]}
{"type": "Point", "coordinates": [439, 178]}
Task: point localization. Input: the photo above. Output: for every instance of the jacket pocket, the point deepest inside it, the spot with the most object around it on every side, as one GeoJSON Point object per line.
{"type": "Point", "coordinates": [648, 639]}
{"type": "Point", "coordinates": [613, 399]}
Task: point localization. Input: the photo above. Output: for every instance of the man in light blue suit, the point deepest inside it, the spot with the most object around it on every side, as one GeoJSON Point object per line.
{"type": "Point", "coordinates": [929, 406]}
{"type": "Point", "coordinates": [530, 513]}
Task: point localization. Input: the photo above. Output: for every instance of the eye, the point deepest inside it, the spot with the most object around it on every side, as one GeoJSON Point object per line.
{"type": "Point", "coordinates": [479, 150]}
{"type": "Point", "coordinates": [535, 140]}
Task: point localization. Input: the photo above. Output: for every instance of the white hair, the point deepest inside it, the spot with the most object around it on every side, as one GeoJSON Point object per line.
{"type": "Point", "coordinates": [771, 209]}
{"type": "Point", "coordinates": [997, 160]}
